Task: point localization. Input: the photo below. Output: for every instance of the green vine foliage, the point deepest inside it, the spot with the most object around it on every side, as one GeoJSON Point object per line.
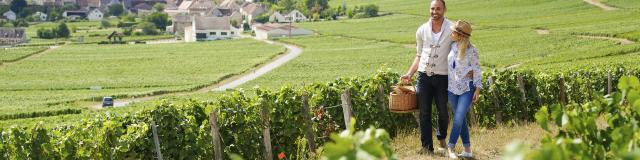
{"type": "Point", "coordinates": [604, 128]}
{"type": "Point", "coordinates": [184, 129]}
{"type": "Point", "coordinates": [369, 144]}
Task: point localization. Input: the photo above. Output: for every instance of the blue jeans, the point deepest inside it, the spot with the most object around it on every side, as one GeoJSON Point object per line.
{"type": "Point", "coordinates": [460, 105]}
{"type": "Point", "coordinates": [432, 89]}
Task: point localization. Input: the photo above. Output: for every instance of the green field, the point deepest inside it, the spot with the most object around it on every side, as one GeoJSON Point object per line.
{"type": "Point", "coordinates": [66, 74]}
{"type": "Point", "coordinates": [507, 36]}
{"type": "Point", "coordinates": [13, 54]}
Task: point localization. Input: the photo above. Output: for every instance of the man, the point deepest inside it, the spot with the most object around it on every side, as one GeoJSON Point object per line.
{"type": "Point", "coordinates": [433, 46]}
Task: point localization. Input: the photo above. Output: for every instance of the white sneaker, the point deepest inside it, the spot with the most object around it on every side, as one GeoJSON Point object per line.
{"type": "Point", "coordinates": [452, 154]}
{"type": "Point", "coordinates": [466, 154]}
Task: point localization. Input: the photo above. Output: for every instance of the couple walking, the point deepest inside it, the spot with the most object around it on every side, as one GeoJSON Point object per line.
{"type": "Point", "coordinates": [448, 68]}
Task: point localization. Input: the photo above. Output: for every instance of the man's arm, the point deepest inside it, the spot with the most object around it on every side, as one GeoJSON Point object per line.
{"type": "Point", "coordinates": [416, 61]}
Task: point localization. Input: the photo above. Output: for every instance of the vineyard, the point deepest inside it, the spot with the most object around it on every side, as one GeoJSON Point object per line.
{"type": "Point", "coordinates": [184, 131]}
{"type": "Point", "coordinates": [15, 54]}
{"type": "Point", "coordinates": [567, 66]}
{"type": "Point", "coordinates": [51, 83]}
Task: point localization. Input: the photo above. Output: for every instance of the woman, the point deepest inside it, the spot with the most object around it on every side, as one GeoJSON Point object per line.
{"type": "Point", "coordinates": [464, 84]}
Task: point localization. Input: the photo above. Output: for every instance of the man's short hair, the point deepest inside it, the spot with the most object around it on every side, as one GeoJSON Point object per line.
{"type": "Point", "coordinates": [443, 3]}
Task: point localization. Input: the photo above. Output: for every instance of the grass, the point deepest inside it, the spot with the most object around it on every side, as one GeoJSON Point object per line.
{"type": "Point", "coordinates": [626, 4]}
{"type": "Point", "coordinates": [67, 73]}
{"type": "Point", "coordinates": [506, 36]}
{"type": "Point", "coordinates": [326, 58]}
{"type": "Point", "coordinates": [13, 54]}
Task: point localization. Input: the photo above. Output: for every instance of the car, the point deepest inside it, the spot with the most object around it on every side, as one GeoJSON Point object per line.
{"type": "Point", "coordinates": [107, 102]}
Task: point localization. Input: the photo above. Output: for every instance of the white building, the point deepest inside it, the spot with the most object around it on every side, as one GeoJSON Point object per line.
{"type": "Point", "coordinates": [10, 15]}
{"type": "Point", "coordinates": [95, 15]}
{"type": "Point", "coordinates": [39, 16]}
{"type": "Point", "coordinates": [252, 10]}
{"type": "Point", "coordinates": [210, 28]}
{"type": "Point", "coordinates": [277, 17]}
{"type": "Point", "coordinates": [295, 16]}
{"type": "Point", "coordinates": [273, 30]}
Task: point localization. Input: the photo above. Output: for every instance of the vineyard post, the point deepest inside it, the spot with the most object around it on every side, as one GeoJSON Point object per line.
{"type": "Point", "coordinates": [215, 134]}
{"type": "Point", "coordinates": [589, 85]}
{"type": "Point", "coordinates": [266, 133]}
{"type": "Point", "coordinates": [156, 141]}
{"type": "Point", "coordinates": [381, 97]}
{"type": "Point", "coordinates": [496, 102]}
{"type": "Point", "coordinates": [524, 94]}
{"type": "Point", "coordinates": [308, 124]}
{"type": "Point", "coordinates": [609, 85]}
{"type": "Point", "coordinates": [346, 107]}
{"type": "Point", "coordinates": [563, 97]}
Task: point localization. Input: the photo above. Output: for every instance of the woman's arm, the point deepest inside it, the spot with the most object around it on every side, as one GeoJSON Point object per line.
{"type": "Point", "coordinates": [477, 71]}
{"type": "Point", "coordinates": [477, 76]}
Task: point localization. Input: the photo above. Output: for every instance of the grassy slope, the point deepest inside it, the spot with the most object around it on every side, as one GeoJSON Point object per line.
{"type": "Point", "coordinates": [66, 73]}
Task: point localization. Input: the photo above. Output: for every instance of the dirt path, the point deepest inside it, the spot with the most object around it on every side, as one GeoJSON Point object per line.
{"type": "Point", "coordinates": [228, 83]}
{"type": "Point", "coordinates": [622, 41]}
{"type": "Point", "coordinates": [597, 3]}
{"type": "Point", "coordinates": [485, 143]}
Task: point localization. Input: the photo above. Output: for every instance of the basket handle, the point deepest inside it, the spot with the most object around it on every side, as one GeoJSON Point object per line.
{"type": "Point", "coordinates": [405, 84]}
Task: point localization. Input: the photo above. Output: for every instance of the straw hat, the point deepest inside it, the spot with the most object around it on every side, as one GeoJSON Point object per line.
{"type": "Point", "coordinates": [463, 28]}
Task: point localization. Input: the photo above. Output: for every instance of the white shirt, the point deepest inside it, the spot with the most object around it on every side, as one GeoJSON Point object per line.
{"type": "Point", "coordinates": [432, 48]}
{"type": "Point", "coordinates": [458, 69]}
{"type": "Point", "coordinates": [435, 37]}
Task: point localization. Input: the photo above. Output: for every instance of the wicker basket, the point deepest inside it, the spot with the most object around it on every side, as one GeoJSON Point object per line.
{"type": "Point", "coordinates": [403, 99]}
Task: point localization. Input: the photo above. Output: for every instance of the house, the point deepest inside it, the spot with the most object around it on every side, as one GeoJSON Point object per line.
{"type": "Point", "coordinates": [229, 4]}
{"type": "Point", "coordinates": [12, 36]}
{"type": "Point", "coordinates": [201, 7]}
{"type": "Point", "coordinates": [277, 17]}
{"type": "Point", "coordinates": [10, 15]}
{"type": "Point", "coordinates": [179, 22]}
{"type": "Point", "coordinates": [74, 15]}
{"type": "Point", "coordinates": [210, 28]}
{"type": "Point", "coordinates": [142, 9]}
{"type": "Point", "coordinates": [274, 30]}
{"type": "Point", "coordinates": [95, 15]}
{"type": "Point", "coordinates": [294, 16]}
{"type": "Point", "coordinates": [224, 12]}
{"type": "Point", "coordinates": [39, 16]}
{"type": "Point", "coordinates": [252, 10]}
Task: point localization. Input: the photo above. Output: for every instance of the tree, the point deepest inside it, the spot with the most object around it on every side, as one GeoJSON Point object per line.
{"type": "Point", "coordinates": [263, 18]}
{"type": "Point", "coordinates": [159, 7]}
{"type": "Point", "coordinates": [116, 9]}
{"type": "Point", "coordinates": [46, 33]}
{"type": "Point", "coordinates": [159, 19]}
{"type": "Point", "coordinates": [148, 28]}
{"type": "Point", "coordinates": [17, 5]}
{"type": "Point", "coordinates": [287, 5]}
{"type": "Point", "coordinates": [63, 30]}
{"type": "Point", "coordinates": [370, 10]}
{"type": "Point", "coordinates": [105, 23]}
{"type": "Point", "coordinates": [69, 7]}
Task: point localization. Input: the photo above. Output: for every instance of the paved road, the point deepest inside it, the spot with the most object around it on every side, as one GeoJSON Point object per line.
{"type": "Point", "coordinates": [233, 82]}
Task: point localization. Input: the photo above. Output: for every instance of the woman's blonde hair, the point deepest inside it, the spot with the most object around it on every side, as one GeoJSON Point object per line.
{"type": "Point", "coordinates": [463, 30]}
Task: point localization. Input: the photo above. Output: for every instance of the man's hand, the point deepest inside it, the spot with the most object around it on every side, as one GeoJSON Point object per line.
{"type": "Point", "coordinates": [406, 79]}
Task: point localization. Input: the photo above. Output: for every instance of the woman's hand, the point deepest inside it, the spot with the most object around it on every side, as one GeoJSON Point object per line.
{"type": "Point", "coordinates": [476, 95]}
{"type": "Point", "coordinates": [406, 79]}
